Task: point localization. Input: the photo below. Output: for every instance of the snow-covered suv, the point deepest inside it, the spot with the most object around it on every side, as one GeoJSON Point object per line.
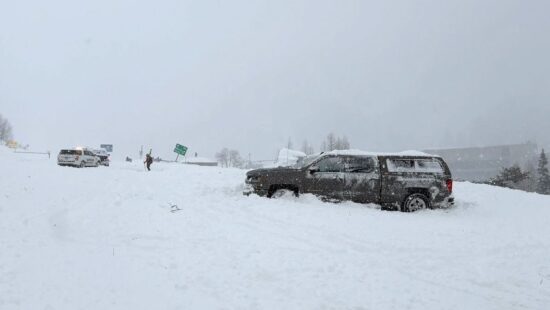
{"type": "Point", "coordinates": [77, 158]}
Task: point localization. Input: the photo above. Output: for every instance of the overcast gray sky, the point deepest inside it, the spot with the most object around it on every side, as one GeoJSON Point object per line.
{"type": "Point", "coordinates": [390, 75]}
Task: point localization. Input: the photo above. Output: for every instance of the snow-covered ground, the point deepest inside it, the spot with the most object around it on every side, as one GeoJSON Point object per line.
{"type": "Point", "coordinates": [106, 238]}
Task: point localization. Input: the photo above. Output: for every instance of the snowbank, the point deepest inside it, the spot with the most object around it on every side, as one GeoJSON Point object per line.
{"type": "Point", "coordinates": [288, 157]}
{"type": "Point", "coordinates": [184, 237]}
{"type": "Point", "coordinates": [199, 160]}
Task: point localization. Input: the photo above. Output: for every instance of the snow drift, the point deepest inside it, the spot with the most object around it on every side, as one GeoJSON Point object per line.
{"type": "Point", "coordinates": [183, 237]}
{"type": "Point", "coordinates": [288, 157]}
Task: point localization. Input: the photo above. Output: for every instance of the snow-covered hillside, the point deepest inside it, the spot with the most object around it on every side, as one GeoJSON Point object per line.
{"type": "Point", "coordinates": [107, 238]}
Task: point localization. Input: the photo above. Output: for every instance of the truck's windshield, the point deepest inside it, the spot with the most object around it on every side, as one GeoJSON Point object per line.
{"type": "Point", "coordinates": [304, 161]}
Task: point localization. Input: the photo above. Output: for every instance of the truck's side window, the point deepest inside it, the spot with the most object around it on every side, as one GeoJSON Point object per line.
{"type": "Point", "coordinates": [360, 165]}
{"type": "Point", "coordinates": [331, 164]}
{"type": "Point", "coordinates": [414, 165]}
{"type": "Point", "coordinates": [400, 165]}
{"type": "Point", "coordinates": [429, 165]}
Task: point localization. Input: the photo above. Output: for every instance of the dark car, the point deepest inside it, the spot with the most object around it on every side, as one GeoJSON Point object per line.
{"type": "Point", "coordinates": [401, 181]}
{"type": "Point", "coordinates": [103, 157]}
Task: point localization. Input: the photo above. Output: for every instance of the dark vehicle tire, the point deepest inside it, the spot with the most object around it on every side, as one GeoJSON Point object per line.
{"type": "Point", "coordinates": [81, 164]}
{"type": "Point", "coordinates": [415, 202]}
{"type": "Point", "coordinates": [283, 192]}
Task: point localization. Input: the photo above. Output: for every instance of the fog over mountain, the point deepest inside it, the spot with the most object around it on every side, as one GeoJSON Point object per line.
{"type": "Point", "coordinates": [248, 75]}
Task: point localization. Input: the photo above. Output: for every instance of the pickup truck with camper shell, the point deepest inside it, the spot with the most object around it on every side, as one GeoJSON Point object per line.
{"type": "Point", "coordinates": [406, 181]}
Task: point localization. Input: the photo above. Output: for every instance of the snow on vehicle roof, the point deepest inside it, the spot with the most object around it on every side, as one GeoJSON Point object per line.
{"type": "Point", "coordinates": [364, 153]}
{"type": "Point", "coordinates": [72, 149]}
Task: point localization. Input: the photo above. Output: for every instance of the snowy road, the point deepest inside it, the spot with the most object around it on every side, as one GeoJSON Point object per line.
{"type": "Point", "coordinates": [106, 238]}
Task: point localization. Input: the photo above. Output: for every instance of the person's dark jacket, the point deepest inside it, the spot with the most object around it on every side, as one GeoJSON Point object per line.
{"type": "Point", "coordinates": [148, 159]}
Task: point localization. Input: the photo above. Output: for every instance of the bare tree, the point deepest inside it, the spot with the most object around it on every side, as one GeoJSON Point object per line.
{"type": "Point", "coordinates": [289, 144]}
{"type": "Point", "coordinates": [324, 146]}
{"type": "Point", "coordinates": [235, 159]}
{"type": "Point", "coordinates": [345, 143]}
{"type": "Point", "coordinates": [338, 144]}
{"type": "Point", "coordinates": [229, 158]}
{"type": "Point", "coordinates": [331, 142]}
{"type": "Point", "coordinates": [306, 148]}
{"type": "Point", "coordinates": [223, 157]}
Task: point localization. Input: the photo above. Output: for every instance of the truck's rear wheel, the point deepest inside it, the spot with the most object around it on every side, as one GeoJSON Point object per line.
{"type": "Point", "coordinates": [415, 202]}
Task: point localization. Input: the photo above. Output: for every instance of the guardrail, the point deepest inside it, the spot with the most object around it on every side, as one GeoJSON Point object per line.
{"type": "Point", "coordinates": [36, 153]}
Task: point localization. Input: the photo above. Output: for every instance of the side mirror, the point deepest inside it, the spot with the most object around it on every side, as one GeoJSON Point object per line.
{"type": "Point", "coordinates": [313, 169]}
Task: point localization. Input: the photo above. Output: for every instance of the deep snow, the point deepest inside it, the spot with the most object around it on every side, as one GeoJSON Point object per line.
{"type": "Point", "coordinates": [106, 238]}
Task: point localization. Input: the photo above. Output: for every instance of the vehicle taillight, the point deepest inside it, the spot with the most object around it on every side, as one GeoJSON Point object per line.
{"type": "Point", "coordinates": [450, 185]}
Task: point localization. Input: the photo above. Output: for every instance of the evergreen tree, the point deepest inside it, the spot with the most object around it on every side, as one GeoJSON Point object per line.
{"type": "Point", "coordinates": [543, 183]}
{"type": "Point", "coordinates": [510, 177]}
{"type": "Point", "coordinates": [6, 131]}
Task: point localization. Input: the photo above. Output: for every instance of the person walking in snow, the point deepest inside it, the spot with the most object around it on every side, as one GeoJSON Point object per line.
{"type": "Point", "coordinates": [148, 161]}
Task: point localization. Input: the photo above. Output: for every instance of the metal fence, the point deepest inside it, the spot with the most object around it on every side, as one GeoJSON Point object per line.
{"type": "Point", "coordinates": [36, 153]}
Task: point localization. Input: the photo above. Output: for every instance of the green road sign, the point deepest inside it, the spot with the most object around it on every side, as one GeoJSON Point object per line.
{"type": "Point", "coordinates": [180, 149]}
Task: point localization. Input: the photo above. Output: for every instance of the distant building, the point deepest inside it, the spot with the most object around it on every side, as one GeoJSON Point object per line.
{"type": "Point", "coordinates": [483, 163]}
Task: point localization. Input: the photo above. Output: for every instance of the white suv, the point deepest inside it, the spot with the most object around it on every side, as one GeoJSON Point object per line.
{"type": "Point", "coordinates": [77, 158]}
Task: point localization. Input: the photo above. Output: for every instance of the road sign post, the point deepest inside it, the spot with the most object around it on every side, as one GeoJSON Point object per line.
{"type": "Point", "coordinates": [107, 147]}
{"type": "Point", "coordinates": [180, 150]}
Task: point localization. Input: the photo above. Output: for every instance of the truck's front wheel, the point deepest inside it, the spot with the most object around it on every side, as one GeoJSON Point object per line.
{"type": "Point", "coordinates": [279, 192]}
